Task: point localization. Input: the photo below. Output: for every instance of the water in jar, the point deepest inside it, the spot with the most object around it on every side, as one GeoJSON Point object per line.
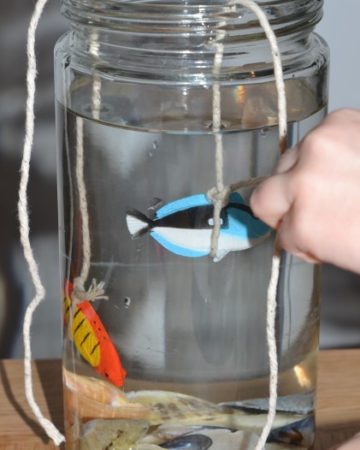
{"type": "Point", "coordinates": [175, 357]}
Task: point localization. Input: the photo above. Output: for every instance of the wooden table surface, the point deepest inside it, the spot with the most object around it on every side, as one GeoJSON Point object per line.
{"type": "Point", "coordinates": [338, 402]}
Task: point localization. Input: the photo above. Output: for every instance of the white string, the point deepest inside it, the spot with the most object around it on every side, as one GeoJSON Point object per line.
{"type": "Point", "coordinates": [96, 290]}
{"type": "Point", "coordinates": [272, 347]}
{"type": "Point", "coordinates": [23, 213]}
{"type": "Point", "coordinates": [220, 195]}
{"type": "Point", "coordinates": [83, 204]}
{"type": "Point", "coordinates": [94, 49]}
{"type": "Point", "coordinates": [96, 97]}
{"type": "Point", "coordinates": [278, 70]}
{"type": "Point", "coordinates": [219, 151]}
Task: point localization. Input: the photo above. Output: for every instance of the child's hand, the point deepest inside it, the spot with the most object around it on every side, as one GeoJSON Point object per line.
{"type": "Point", "coordinates": [352, 444]}
{"type": "Point", "coordinates": [313, 199]}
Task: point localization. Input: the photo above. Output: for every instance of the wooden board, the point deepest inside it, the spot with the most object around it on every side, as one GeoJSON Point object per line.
{"type": "Point", "coordinates": [338, 398]}
{"type": "Point", "coordinates": [18, 427]}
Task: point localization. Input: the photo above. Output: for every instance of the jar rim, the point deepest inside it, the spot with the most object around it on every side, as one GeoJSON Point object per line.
{"type": "Point", "coordinates": [193, 16]}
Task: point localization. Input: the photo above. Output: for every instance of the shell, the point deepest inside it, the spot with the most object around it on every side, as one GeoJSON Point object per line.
{"type": "Point", "coordinates": [114, 434]}
{"type": "Point", "coordinates": [88, 398]}
{"type": "Point", "coordinates": [297, 404]}
{"type": "Point", "coordinates": [176, 421]}
{"type": "Point", "coordinates": [297, 433]}
{"type": "Point", "coordinates": [255, 422]}
{"type": "Point", "coordinates": [193, 442]}
{"type": "Point", "coordinates": [94, 388]}
{"type": "Point", "coordinates": [147, 447]}
{"type": "Point", "coordinates": [286, 435]}
{"type": "Point", "coordinates": [214, 438]}
{"type": "Point", "coordinates": [167, 406]}
{"type": "Point", "coordinates": [170, 431]}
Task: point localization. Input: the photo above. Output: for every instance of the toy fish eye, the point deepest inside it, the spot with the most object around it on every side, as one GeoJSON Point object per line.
{"type": "Point", "coordinates": [211, 222]}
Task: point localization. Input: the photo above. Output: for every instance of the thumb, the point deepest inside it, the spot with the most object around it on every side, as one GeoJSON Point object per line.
{"type": "Point", "coordinates": [272, 199]}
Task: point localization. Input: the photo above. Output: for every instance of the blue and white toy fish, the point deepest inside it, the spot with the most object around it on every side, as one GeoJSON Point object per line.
{"type": "Point", "coordinates": [184, 226]}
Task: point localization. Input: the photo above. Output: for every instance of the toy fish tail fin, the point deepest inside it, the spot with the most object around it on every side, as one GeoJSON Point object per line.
{"type": "Point", "coordinates": [137, 223]}
{"type": "Point", "coordinates": [220, 255]}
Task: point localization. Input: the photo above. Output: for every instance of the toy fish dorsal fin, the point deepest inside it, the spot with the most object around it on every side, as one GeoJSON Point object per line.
{"type": "Point", "coordinates": [182, 204]}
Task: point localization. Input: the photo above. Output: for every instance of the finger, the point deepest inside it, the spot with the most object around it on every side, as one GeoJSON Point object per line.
{"type": "Point", "coordinates": [352, 444]}
{"type": "Point", "coordinates": [272, 200]}
{"type": "Point", "coordinates": [287, 161]}
{"type": "Point", "coordinates": [308, 257]}
{"type": "Point", "coordinates": [294, 242]}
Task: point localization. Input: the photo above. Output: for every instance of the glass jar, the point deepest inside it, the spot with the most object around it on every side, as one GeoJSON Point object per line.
{"type": "Point", "coordinates": [163, 346]}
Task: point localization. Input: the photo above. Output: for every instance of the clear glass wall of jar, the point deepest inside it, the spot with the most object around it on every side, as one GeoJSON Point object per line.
{"type": "Point", "coordinates": [176, 357]}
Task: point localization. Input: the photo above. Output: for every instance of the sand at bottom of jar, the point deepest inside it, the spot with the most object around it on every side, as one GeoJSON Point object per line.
{"type": "Point", "coordinates": [101, 416]}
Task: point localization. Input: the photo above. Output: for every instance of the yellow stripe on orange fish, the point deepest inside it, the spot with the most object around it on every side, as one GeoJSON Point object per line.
{"type": "Point", "coordinates": [67, 308]}
{"type": "Point", "coordinates": [85, 338]}
{"type": "Point", "coordinates": [92, 340]}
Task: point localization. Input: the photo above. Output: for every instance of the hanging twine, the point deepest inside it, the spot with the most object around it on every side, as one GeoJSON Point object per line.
{"type": "Point", "coordinates": [220, 193]}
{"type": "Point", "coordinates": [95, 291]}
{"type": "Point", "coordinates": [23, 212]}
{"type": "Point", "coordinates": [83, 205]}
{"type": "Point", "coordinates": [96, 85]}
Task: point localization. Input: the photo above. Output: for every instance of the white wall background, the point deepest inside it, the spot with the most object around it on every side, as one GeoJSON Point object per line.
{"type": "Point", "coordinates": [341, 29]}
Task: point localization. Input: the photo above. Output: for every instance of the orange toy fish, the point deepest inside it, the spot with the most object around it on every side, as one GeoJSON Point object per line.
{"type": "Point", "coordinates": [92, 340]}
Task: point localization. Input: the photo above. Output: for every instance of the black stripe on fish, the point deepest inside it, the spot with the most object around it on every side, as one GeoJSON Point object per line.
{"type": "Point", "coordinates": [198, 217]}
{"type": "Point", "coordinates": [78, 326]}
{"type": "Point", "coordinates": [94, 348]}
{"type": "Point", "coordinates": [77, 312]}
{"type": "Point", "coordinates": [191, 218]}
{"type": "Point", "coordinates": [84, 339]}
{"type": "Point", "coordinates": [67, 306]}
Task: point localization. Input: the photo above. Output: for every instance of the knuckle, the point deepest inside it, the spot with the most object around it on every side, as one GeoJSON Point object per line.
{"type": "Point", "coordinates": [314, 142]}
{"type": "Point", "coordinates": [319, 144]}
{"type": "Point", "coordinates": [337, 121]}
{"type": "Point", "coordinates": [340, 114]}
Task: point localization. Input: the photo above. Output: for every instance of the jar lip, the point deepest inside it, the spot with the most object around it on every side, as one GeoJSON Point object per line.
{"type": "Point", "coordinates": [193, 17]}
